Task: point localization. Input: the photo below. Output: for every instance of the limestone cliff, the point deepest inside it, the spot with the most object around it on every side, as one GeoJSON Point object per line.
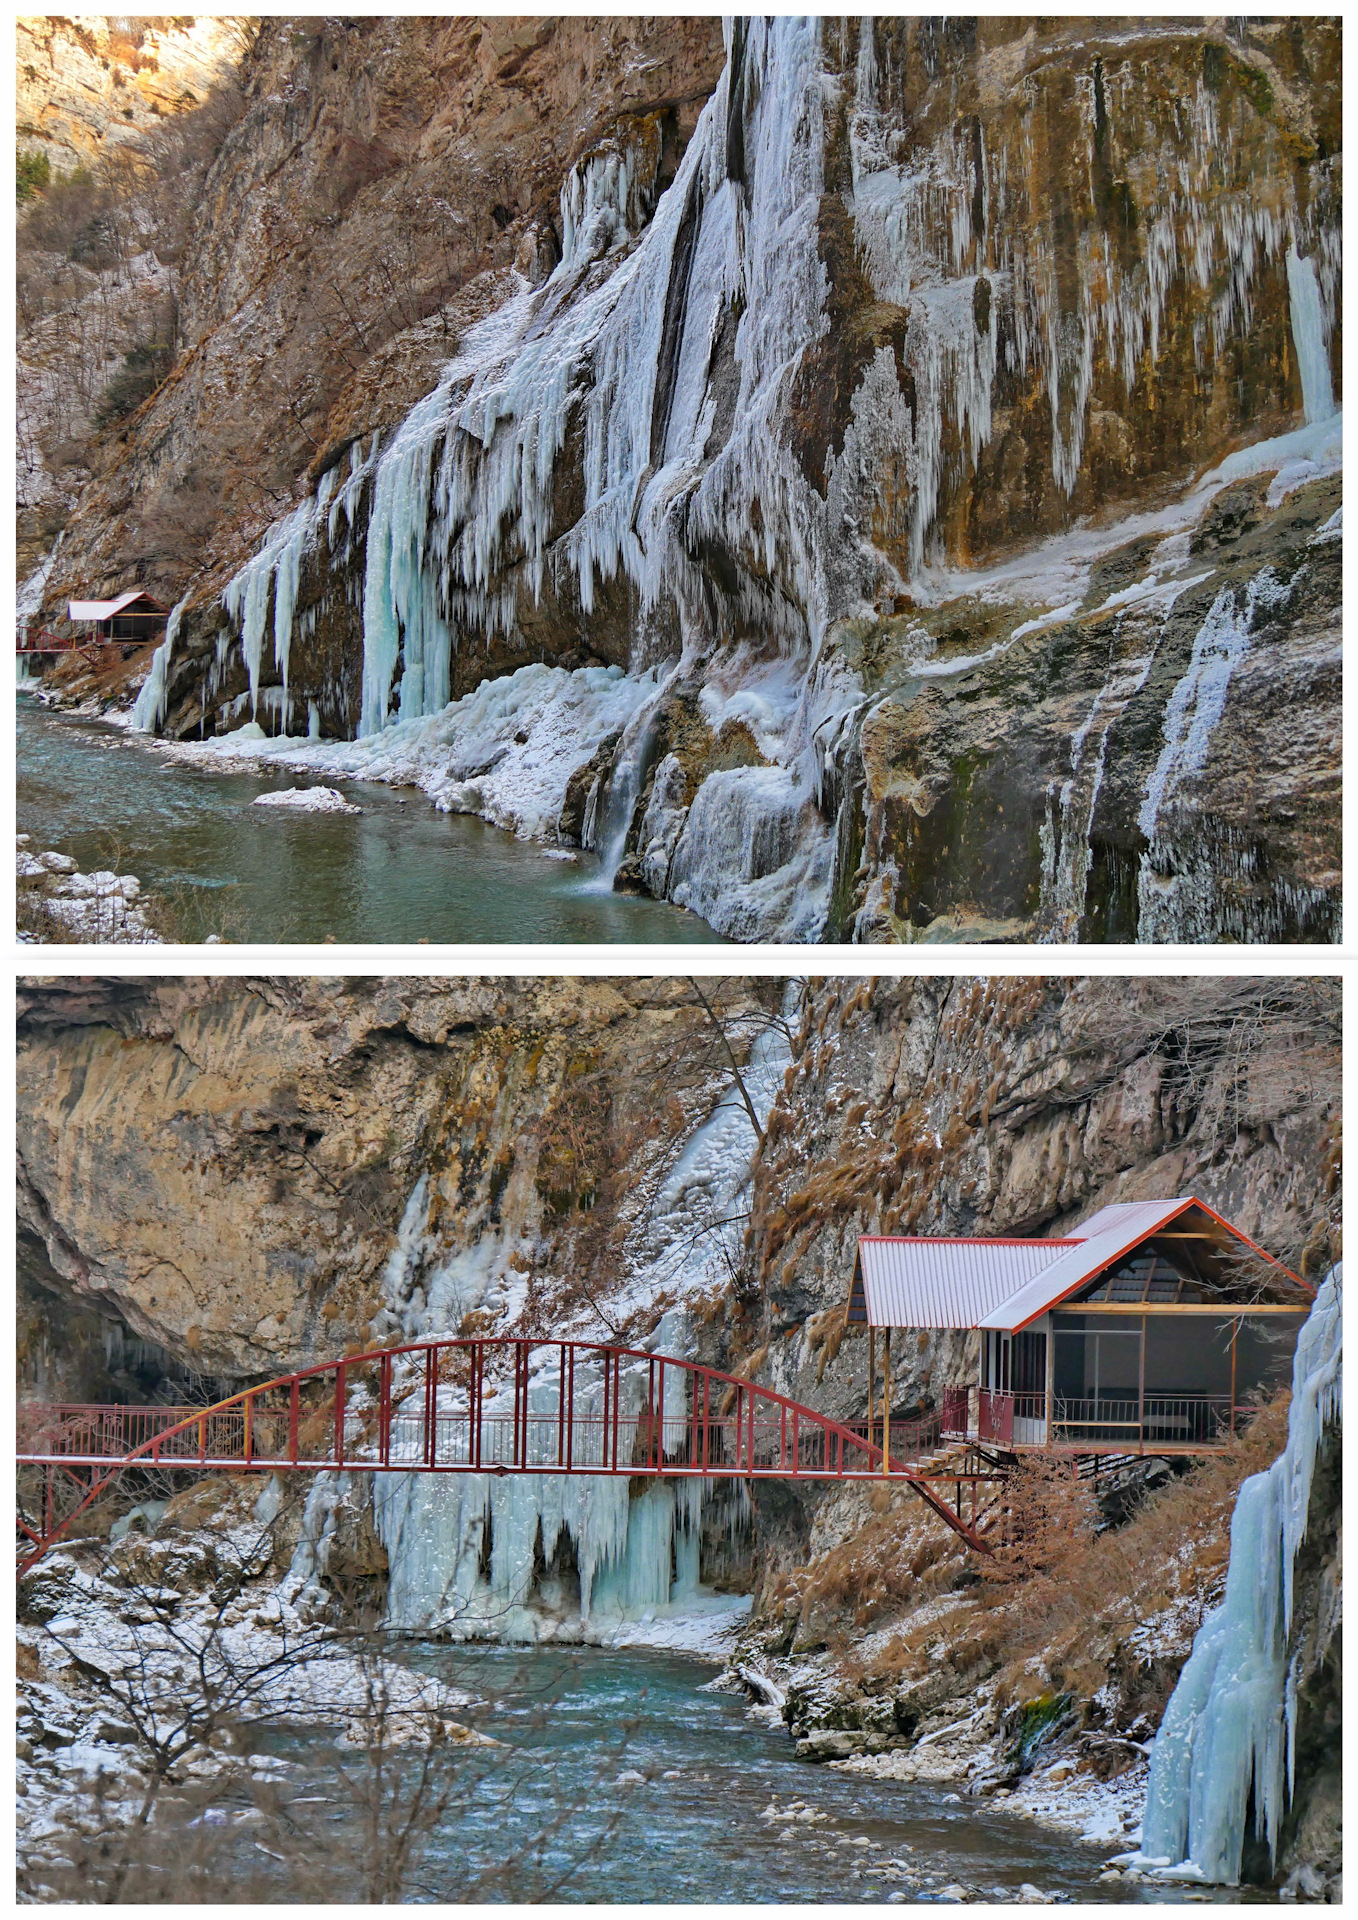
{"type": "Point", "coordinates": [226, 1168]}
{"type": "Point", "coordinates": [223, 1168]}
{"type": "Point", "coordinates": [384, 179]}
{"type": "Point", "coordinates": [874, 407]}
{"type": "Point", "coordinates": [1020, 1107]}
{"type": "Point", "coordinates": [89, 83]}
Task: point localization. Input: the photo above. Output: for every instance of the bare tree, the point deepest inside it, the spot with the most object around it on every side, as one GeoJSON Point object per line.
{"type": "Point", "coordinates": [188, 1657]}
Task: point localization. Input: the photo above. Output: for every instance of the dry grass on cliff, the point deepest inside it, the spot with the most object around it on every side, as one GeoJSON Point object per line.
{"type": "Point", "coordinates": [1172, 1555]}
{"type": "Point", "coordinates": [1057, 1608]}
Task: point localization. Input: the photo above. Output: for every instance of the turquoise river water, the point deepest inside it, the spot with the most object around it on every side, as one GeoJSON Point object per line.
{"type": "Point", "coordinates": [620, 1780]}
{"type": "Point", "coordinates": [397, 872]}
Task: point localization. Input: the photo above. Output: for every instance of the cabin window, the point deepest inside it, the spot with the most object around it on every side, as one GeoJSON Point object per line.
{"type": "Point", "coordinates": [1189, 1354]}
{"type": "Point", "coordinates": [1263, 1354]}
{"type": "Point", "coordinates": [1096, 1361]}
{"type": "Point", "coordinates": [1176, 1355]}
{"type": "Point", "coordinates": [1030, 1363]}
{"type": "Point", "coordinates": [1014, 1363]}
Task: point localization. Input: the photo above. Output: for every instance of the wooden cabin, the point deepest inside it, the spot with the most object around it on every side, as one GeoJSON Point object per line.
{"type": "Point", "coordinates": [1152, 1328]}
{"type": "Point", "coordinates": [132, 616]}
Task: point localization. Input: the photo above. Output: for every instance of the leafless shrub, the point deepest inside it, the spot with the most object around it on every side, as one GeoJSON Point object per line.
{"type": "Point", "coordinates": [195, 1700]}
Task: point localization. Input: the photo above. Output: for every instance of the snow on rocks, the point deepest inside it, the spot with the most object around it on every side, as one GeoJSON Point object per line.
{"type": "Point", "coordinates": [308, 800]}
{"type": "Point", "coordinates": [505, 751]}
{"type": "Point", "coordinates": [134, 1649]}
{"type": "Point", "coordinates": [104, 906]}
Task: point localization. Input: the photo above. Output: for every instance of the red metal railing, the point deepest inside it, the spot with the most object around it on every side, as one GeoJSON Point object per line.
{"type": "Point", "coordinates": [1165, 1420]}
{"type": "Point", "coordinates": [1188, 1420]}
{"type": "Point", "coordinates": [498, 1406]}
{"type": "Point", "coordinates": [40, 640]}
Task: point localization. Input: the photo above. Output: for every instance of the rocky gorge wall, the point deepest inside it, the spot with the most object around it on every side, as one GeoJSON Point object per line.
{"type": "Point", "coordinates": [225, 1166]}
{"type": "Point", "coordinates": [229, 1177]}
{"type": "Point", "coordinates": [255, 1174]}
{"type": "Point", "coordinates": [909, 448]}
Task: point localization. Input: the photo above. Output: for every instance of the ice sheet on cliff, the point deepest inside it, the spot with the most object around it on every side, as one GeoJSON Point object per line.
{"type": "Point", "coordinates": [559, 1556]}
{"type": "Point", "coordinates": [1230, 1727]}
{"type": "Point", "coordinates": [614, 357]}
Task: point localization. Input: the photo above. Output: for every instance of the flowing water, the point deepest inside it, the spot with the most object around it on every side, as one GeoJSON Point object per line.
{"type": "Point", "coordinates": [398, 871]}
{"type": "Point", "coordinates": [553, 1814]}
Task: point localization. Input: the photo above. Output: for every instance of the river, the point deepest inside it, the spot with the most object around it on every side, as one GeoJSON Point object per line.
{"type": "Point", "coordinates": [399, 871]}
{"type": "Point", "coordinates": [553, 1814]}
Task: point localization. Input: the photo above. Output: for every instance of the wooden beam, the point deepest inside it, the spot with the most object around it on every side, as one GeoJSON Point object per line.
{"type": "Point", "coordinates": [1228, 1309]}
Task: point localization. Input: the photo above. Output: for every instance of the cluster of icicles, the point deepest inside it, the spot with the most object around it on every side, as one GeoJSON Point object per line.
{"type": "Point", "coordinates": [461, 501]}
{"type": "Point", "coordinates": [474, 1554]}
{"type": "Point", "coordinates": [1231, 1725]}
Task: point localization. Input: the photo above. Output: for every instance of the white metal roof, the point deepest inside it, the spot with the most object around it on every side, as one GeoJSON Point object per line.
{"type": "Point", "coordinates": [1115, 1231]}
{"type": "Point", "coordinates": [104, 609]}
{"type": "Point", "coordinates": [1005, 1285]}
{"type": "Point", "coordinates": [1129, 1212]}
{"type": "Point", "coordinates": [909, 1282]}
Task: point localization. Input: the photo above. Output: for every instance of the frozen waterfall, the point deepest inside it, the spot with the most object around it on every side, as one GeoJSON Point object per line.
{"type": "Point", "coordinates": [536, 1556]}
{"type": "Point", "coordinates": [1231, 1724]}
{"type": "Point", "coordinates": [1310, 337]}
{"type": "Point", "coordinates": [148, 715]}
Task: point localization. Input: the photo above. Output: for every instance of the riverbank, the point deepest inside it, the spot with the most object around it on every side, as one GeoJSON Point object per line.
{"type": "Point", "coordinates": [394, 870]}
{"type": "Point", "coordinates": [652, 1781]}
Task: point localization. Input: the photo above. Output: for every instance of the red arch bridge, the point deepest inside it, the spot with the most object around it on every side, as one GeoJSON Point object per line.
{"type": "Point", "coordinates": [491, 1406]}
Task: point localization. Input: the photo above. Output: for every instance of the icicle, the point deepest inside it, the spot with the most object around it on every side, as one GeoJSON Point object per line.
{"type": "Point", "coordinates": [1229, 1725]}
{"type": "Point", "coordinates": [1191, 717]}
{"type": "Point", "coordinates": [148, 715]}
{"type": "Point", "coordinates": [1310, 338]}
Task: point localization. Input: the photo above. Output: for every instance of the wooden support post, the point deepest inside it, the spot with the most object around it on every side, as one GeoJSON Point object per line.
{"type": "Point", "coordinates": [1235, 1335]}
{"type": "Point", "coordinates": [1141, 1391]}
{"type": "Point", "coordinates": [1051, 1377]}
{"type": "Point", "coordinates": [872, 1374]}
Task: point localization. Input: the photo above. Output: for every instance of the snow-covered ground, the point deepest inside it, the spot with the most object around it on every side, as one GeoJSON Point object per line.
{"type": "Point", "coordinates": [505, 751]}
{"type": "Point", "coordinates": [131, 1648]}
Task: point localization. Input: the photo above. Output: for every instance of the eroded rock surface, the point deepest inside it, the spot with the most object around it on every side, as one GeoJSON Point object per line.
{"type": "Point", "coordinates": [787, 387]}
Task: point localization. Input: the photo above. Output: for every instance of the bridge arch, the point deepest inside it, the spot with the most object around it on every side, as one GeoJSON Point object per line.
{"type": "Point", "coordinates": [477, 1405]}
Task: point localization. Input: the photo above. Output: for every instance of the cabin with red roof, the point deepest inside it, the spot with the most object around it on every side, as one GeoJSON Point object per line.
{"type": "Point", "coordinates": [1152, 1328]}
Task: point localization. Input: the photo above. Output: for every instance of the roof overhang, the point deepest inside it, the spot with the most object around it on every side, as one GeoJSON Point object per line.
{"type": "Point", "coordinates": [1004, 1285]}
{"type": "Point", "coordinates": [1070, 1272]}
{"type": "Point", "coordinates": [105, 609]}
{"type": "Point", "coordinates": [931, 1281]}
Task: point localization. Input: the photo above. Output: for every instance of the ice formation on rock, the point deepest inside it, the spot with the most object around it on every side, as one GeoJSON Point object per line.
{"type": "Point", "coordinates": [1172, 907]}
{"type": "Point", "coordinates": [1310, 335]}
{"type": "Point", "coordinates": [148, 714]}
{"type": "Point", "coordinates": [635, 427]}
{"type": "Point", "coordinates": [1230, 1727]}
{"type": "Point", "coordinates": [563, 1555]}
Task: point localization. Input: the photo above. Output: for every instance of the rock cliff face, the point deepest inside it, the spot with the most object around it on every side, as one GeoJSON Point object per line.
{"type": "Point", "coordinates": [90, 84]}
{"type": "Point", "coordinates": [226, 1169]}
{"type": "Point", "coordinates": [881, 423]}
{"type": "Point", "coordinates": [1019, 1107]}
{"type": "Point", "coordinates": [374, 197]}
{"type": "Point", "coordinates": [1310, 1856]}
{"type": "Point", "coordinates": [229, 1168]}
